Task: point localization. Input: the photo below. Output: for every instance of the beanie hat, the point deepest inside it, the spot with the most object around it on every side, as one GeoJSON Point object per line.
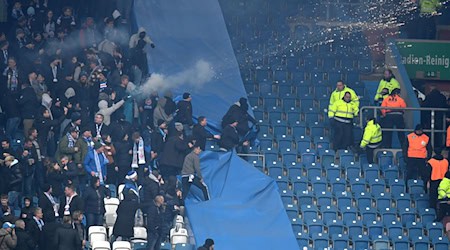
{"type": "Point", "coordinates": [186, 95]}
{"type": "Point", "coordinates": [131, 175]}
{"type": "Point", "coordinates": [75, 116]}
{"type": "Point", "coordinates": [418, 127]}
{"type": "Point", "coordinates": [160, 121]}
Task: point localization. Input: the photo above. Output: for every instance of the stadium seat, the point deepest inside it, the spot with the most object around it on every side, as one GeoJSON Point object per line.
{"type": "Point", "coordinates": [401, 243]}
{"type": "Point", "coordinates": [440, 243]}
{"type": "Point", "coordinates": [313, 171]}
{"type": "Point", "coordinates": [345, 157]}
{"type": "Point", "coordinates": [349, 213]}
{"type": "Point", "coordinates": [178, 235]}
{"type": "Point", "coordinates": [308, 156]}
{"type": "Point", "coordinates": [303, 143]}
{"type": "Point", "coordinates": [113, 189]}
{"type": "Point", "coordinates": [352, 172]}
{"type": "Point", "coordinates": [100, 245]}
{"type": "Point", "coordinates": [316, 130]}
{"type": "Point", "coordinates": [184, 246]}
{"type": "Point", "coordinates": [120, 190]}
{"type": "Point", "coordinates": [357, 185]}
{"type": "Point", "coordinates": [427, 215]}
{"type": "Point", "coordinates": [324, 198]}
{"type": "Point", "coordinates": [320, 241]}
{"type": "Point", "coordinates": [371, 173]}
{"type": "Point", "coordinates": [165, 246]}
{"type": "Point", "coordinates": [385, 159]}
{"type": "Point", "coordinates": [142, 246]}
{"type": "Point", "coordinates": [309, 212]}
{"type": "Point", "coordinates": [338, 186]}
{"type": "Point", "coordinates": [292, 211]}
{"type": "Point", "coordinates": [97, 233]}
{"type": "Point", "coordinates": [329, 213]}
{"type": "Point", "coordinates": [394, 230]}
{"type": "Point", "coordinates": [344, 201]}
{"type": "Point", "coordinates": [139, 235]}
{"type": "Point", "coordinates": [397, 186]}
{"type": "Point", "coordinates": [376, 186]}
{"type": "Point", "coordinates": [391, 172]}
{"type": "Point", "coordinates": [315, 226]}
{"type": "Point", "coordinates": [121, 245]}
{"type": "Point", "coordinates": [111, 206]}
{"type": "Point", "coordinates": [374, 229]}
{"type": "Point", "coordinates": [421, 243]}
{"type": "Point", "coordinates": [321, 142]}
{"type": "Point", "coordinates": [333, 172]}
{"type": "Point", "coordinates": [402, 200]}
{"type": "Point", "coordinates": [287, 196]}
{"type": "Point", "coordinates": [380, 243]}
{"type": "Point", "coordinates": [415, 186]}
{"type": "Point", "coordinates": [383, 200]}
{"type": "Point", "coordinates": [327, 156]}
{"type": "Point", "coordinates": [407, 214]}
{"type": "Point", "coordinates": [319, 185]}
{"type": "Point", "coordinates": [415, 229]}
{"type": "Point", "coordinates": [435, 230]}
{"type": "Point", "coordinates": [421, 201]}
{"type": "Point", "coordinates": [305, 198]}
{"type": "Point", "coordinates": [340, 241]}
{"type": "Point", "coordinates": [368, 214]}
{"type": "Point", "coordinates": [388, 216]}
{"type": "Point", "coordinates": [361, 242]}
{"type": "Point", "coordinates": [302, 240]}
{"type": "Point", "coordinates": [355, 227]}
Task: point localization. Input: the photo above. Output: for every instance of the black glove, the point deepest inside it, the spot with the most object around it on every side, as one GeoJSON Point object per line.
{"type": "Point", "coordinates": [152, 45]}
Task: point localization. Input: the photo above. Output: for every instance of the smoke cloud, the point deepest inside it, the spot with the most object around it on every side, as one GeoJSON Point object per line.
{"type": "Point", "coordinates": [192, 78]}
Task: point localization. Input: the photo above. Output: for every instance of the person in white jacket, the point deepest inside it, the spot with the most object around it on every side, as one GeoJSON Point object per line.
{"type": "Point", "coordinates": [141, 34]}
{"type": "Point", "coordinates": [107, 111]}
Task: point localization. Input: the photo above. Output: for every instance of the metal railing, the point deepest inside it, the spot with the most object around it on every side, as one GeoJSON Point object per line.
{"type": "Point", "coordinates": [433, 111]}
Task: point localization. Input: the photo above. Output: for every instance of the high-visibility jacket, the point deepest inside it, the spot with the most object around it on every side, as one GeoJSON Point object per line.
{"type": "Point", "coordinates": [417, 145]}
{"type": "Point", "coordinates": [429, 6]}
{"type": "Point", "coordinates": [341, 109]}
{"type": "Point", "coordinates": [392, 84]}
{"type": "Point", "coordinates": [393, 102]}
{"type": "Point", "coordinates": [372, 134]}
{"type": "Point", "coordinates": [447, 143]}
{"type": "Point", "coordinates": [444, 189]}
{"type": "Point", "coordinates": [438, 168]}
{"type": "Point", "coordinates": [337, 95]}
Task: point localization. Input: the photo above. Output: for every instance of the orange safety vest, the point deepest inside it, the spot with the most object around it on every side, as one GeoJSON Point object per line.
{"type": "Point", "coordinates": [438, 168]}
{"type": "Point", "coordinates": [448, 137]}
{"type": "Point", "coordinates": [393, 102]}
{"type": "Point", "coordinates": [417, 145]}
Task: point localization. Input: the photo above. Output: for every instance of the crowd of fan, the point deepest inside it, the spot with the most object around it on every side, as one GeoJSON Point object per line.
{"type": "Point", "coordinates": [72, 122]}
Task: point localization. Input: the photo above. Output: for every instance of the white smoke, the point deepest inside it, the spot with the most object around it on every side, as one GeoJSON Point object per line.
{"type": "Point", "coordinates": [192, 78]}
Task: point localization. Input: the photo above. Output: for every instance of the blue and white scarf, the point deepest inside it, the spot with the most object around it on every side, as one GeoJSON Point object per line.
{"type": "Point", "coordinates": [72, 141]}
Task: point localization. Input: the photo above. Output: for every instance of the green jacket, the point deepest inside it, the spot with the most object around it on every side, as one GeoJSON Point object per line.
{"type": "Point", "coordinates": [64, 149]}
{"type": "Point", "coordinates": [429, 6]}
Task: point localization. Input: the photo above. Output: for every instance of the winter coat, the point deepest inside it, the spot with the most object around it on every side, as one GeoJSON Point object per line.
{"type": "Point", "coordinates": [67, 238]}
{"type": "Point", "coordinates": [8, 241]}
{"type": "Point", "coordinates": [56, 180]}
{"type": "Point", "coordinates": [93, 200]}
{"type": "Point", "coordinates": [16, 177]}
{"type": "Point", "coordinates": [107, 111]}
{"type": "Point", "coordinates": [151, 188]}
{"type": "Point", "coordinates": [84, 146]}
{"type": "Point", "coordinates": [160, 114]}
{"type": "Point", "coordinates": [184, 114]}
{"type": "Point", "coordinates": [175, 150]}
{"type": "Point", "coordinates": [76, 204]}
{"type": "Point", "coordinates": [24, 240]}
{"type": "Point", "coordinates": [47, 208]}
{"type": "Point", "coordinates": [157, 141]}
{"type": "Point", "coordinates": [135, 38]}
{"type": "Point", "coordinates": [125, 214]}
{"type": "Point", "coordinates": [64, 149]}
{"type": "Point", "coordinates": [110, 152]}
{"type": "Point", "coordinates": [238, 113]}
{"type": "Point", "coordinates": [229, 138]}
{"type": "Point", "coordinates": [123, 158]}
{"type": "Point", "coordinates": [200, 134]}
{"type": "Point", "coordinates": [154, 218]}
{"type": "Point", "coordinates": [89, 163]}
{"type": "Point", "coordinates": [28, 103]}
{"type": "Point", "coordinates": [34, 232]}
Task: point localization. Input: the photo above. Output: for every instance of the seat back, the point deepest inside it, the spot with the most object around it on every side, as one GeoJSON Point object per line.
{"type": "Point", "coordinates": [97, 233]}
{"type": "Point", "coordinates": [121, 245]}
{"type": "Point", "coordinates": [178, 235]}
{"type": "Point", "coordinates": [100, 245]}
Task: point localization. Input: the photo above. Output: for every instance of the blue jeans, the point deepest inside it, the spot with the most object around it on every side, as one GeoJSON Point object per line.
{"type": "Point", "coordinates": [12, 124]}
{"type": "Point", "coordinates": [94, 220]}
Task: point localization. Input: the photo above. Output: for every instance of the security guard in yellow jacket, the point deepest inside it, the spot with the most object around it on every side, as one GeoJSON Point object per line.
{"type": "Point", "coordinates": [339, 93]}
{"type": "Point", "coordinates": [388, 82]}
{"type": "Point", "coordinates": [444, 197]}
{"type": "Point", "coordinates": [341, 115]}
{"type": "Point", "coordinates": [372, 138]}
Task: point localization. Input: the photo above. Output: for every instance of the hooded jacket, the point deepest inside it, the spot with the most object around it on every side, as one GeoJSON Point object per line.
{"type": "Point", "coordinates": [16, 177]}
{"type": "Point", "coordinates": [107, 111]}
{"type": "Point", "coordinates": [8, 241]}
{"type": "Point", "coordinates": [135, 38]}
{"type": "Point", "coordinates": [160, 114]}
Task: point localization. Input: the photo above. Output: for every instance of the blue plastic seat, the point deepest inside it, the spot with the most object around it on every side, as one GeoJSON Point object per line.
{"type": "Point", "coordinates": [306, 101]}
{"type": "Point", "coordinates": [340, 241]}
{"type": "Point", "coordinates": [421, 243]}
{"type": "Point", "coordinates": [401, 243]}
{"type": "Point", "coordinates": [435, 230]}
{"type": "Point", "coordinates": [354, 227]}
{"type": "Point", "coordinates": [320, 241]}
{"type": "Point", "coordinates": [374, 229]}
{"type": "Point", "coordinates": [394, 230]}
{"type": "Point", "coordinates": [184, 246]}
{"type": "Point", "coordinates": [357, 185]}
{"type": "Point", "coordinates": [319, 185]}
{"type": "Point", "coordinates": [397, 186]}
{"type": "Point", "coordinates": [303, 143]}
{"type": "Point", "coordinates": [402, 200]}
{"type": "Point", "coordinates": [388, 216]}
{"type": "Point", "coordinates": [333, 172]}
{"type": "Point", "coordinates": [321, 142]}
{"type": "Point", "coordinates": [371, 173]}
{"type": "Point", "coordinates": [345, 156]}
{"type": "Point", "coordinates": [311, 116]}
{"type": "Point", "coordinates": [407, 214]}
{"type": "Point", "coordinates": [421, 201]}
{"type": "Point", "coordinates": [324, 198]}
{"type": "Point", "coordinates": [284, 144]}
{"type": "Point", "coordinates": [289, 159]}
{"type": "Point", "coordinates": [305, 198]}
{"type": "Point", "coordinates": [414, 229]}
{"type": "Point", "coordinates": [377, 186]}
{"type": "Point", "coordinates": [266, 143]}
{"type": "Point", "coordinates": [302, 240]}
{"type": "Point", "coordinates": [294, 119]}
{"type": "Point", "coordinates": [383, 200]}
{"type": "Point", "coordinates": [314, 171]}
{"type": "Point", "coordinates": [352, 173]}
{"type": "Point", "coordinates": [380, 242]}
{"type": "Point", "coordinates": [317, 130]}
{"type": "Point", "coordinates": [315, 226]}
{"type": "Point", "coordinates": [440, 243]}
{"type": "Point", "coordinates": [289, 102]}
{"type": "Point", "coordinates": [415, 186]}
{"type": "Point", "coordinates": [327, 156]}
{"type": "Point", "coordinates": [338, 185]}
{"type": "Point", "coordinates": [270, 101]}
{"type": "Point", "coordinates": [368, 214]}
{"type": "Point", "coordinates": [385, 159]}
{"type": "Point", "coordinates": [283, 185]}
{"type": "Point", "coordinates": [361, 242]}
{"type": "Point", "coordinates": [427, 215]}
{"type": "Point", "coordinates": [309, 212]}
{"type": "Point", "coordinates": [349, 213]}
{"type": "Point", "coordinates": [308, 156]}
{"type": "Point", "coordinates": [329, 213]}
{"type": "Point", "coordinates": [291, 211]}
{"type": "Point", "coordinates": [344, 201]}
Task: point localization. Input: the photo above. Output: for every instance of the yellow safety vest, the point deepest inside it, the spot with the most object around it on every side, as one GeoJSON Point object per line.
{"type": "Point", "coordinates": [372, 134]}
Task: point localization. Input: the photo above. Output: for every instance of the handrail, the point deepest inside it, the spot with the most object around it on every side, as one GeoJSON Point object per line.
{"type": "Point", "coordinates": [432, 118]}
{"type": "Point", "coordinates": [263, 156]}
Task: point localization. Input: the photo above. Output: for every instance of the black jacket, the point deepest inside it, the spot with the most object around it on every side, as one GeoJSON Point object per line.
{"type": "Point", "coordinates": [76, 204]}
{"type": "Point", "coordinates": [175, 150]}
{"type": "Point", "coordinates": [154, 219]}
{"type": "Point", "coordinates": [24, 240]}
{"type": "Point", "coordinates": [151, 189]}
{"type": "Point", "coordinates": [170, 106]}
{"type": "Point", "coordinates": [104, 130]}
{"type": "Point", "coordinates": [15, 177]}
{"type": "Point", "coordinates": [47, 208]}
{"type": "Point", "coordinates": [122, 159]}
{"type": "Point", "coordinates": [157, 141]}
{"type": "Point", "coordinates": [67, 238]}
{"type": "Point", "coordinates": [184, 114]}
{"type": "Point", "coordinates": [200, 135]}
{"type": "Point", "coordinates": [56, 180]}
{"type": "Point", "coordinates": [229, 138]}
{"type": "Point", "coordinates": [28, 103]}
{"type": "Point", "coordinates": [240, 114]}
{"type": "Point", "coordinates": [93, 200]}
{"type": "Point", "coordinates": [35, 233]}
